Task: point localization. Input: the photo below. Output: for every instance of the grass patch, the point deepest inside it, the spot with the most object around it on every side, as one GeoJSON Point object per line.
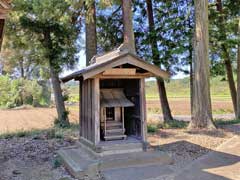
{"type": "Point", "coordinates": [221, 122]}
{"type": "Point", "coordinates": [152, 128]}
{"type": "Point", "coordinates": [51, 133]}
{"type": "Point", "coordinates": [174, 125]}
{"type": "Point", "coordinates": [20, 133]}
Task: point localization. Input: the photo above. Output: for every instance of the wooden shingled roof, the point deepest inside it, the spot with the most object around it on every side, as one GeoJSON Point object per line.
{"type": "Point", "coordinates": [113, 59]}
{"type": "Point", "coordinates": [114, 98]}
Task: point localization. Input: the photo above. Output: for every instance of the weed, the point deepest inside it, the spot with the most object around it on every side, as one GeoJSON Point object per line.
{"type": "Point", "coordinates": [57, 162]}
{"type": "Point", "coordinates": [221, 122]}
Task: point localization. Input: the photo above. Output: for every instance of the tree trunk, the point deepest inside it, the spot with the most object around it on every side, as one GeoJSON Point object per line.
{"type": "Point", "coordinates": [21, 69]}
{"type": "Point", "coordinates": [129, 40]}
{"type": "Point", "coordinates": [226, 57]}
{"type": "Point", "coordinates": [202, 114]}
{"type": "Point", "coordinates": [91, 35]}
{"type": "Point", "coordinates": [231, 83]}
{"type": "Point", "coordinates": [167, 115]}
{"type": "Point", "coordinates": [191, 74]}
{"type": "Point", "coordinates": [238, 72]}
{"type": "Point", "coordinates": [56, 85]}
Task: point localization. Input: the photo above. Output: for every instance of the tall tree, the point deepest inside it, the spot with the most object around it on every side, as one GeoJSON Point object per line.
{"type": "Point", "coordinates": [202, 112]}
{"type": "Point", "coordinates": [167, 115]}
{"type": "Point", "coordinates": [238, 69]}
{"type": "Point", "coordinates": [91, 35]}
{"type": "Point", "coordinates": [226, 55]}
{"type": "Point", "coordinates": [50, 21]}
{"type": "Point", "coordinates": [128, 34]}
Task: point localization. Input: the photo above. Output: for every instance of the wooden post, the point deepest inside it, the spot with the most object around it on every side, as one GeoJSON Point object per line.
{"type": "Point", "coordinates": [80, 107]}
{"type": "Point", "coordinates": [143, 110]}
{"type": "Point", "coordinates": [105, 120]}
{"type": "Point", "coordinates": [96, 108]}
{"type": "Point", "coordinates": [123, 120]}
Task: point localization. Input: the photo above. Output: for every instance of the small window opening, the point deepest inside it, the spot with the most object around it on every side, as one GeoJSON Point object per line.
{"type": "Point", "coordinates": [110, 113]}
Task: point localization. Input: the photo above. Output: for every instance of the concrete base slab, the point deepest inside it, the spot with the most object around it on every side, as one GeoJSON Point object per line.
{"type": "Point", "coordinates": [137, 173]}
{"type": "Point", "coordinates": [135, 159]}
{"type": "Point", "coordinates": [80, 163]}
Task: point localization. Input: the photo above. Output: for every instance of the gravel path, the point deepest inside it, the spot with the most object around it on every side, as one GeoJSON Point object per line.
{"type": "Point", "coordinates": [31, 158]}
{"type": "Point", "coordinates": [34, 158]}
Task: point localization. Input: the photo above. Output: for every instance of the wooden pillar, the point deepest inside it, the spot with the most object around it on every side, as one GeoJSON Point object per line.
{"type": "Point", "coordinates": [80, 108]}
{"type": "Point", "coordinates": [96, 110]}
{"type": "Point", "coordinates": [143, 110]}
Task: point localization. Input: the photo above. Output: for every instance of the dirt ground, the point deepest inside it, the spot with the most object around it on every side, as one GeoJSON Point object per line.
{"type": "Point", "coordinates": [29, 119]}
{"type": "Point", "coordinates": [181, 106]}
{"type": "Point", "coordinates": [185, 146]}
{"type": "Point", "coordinates": [34, 157]}
{"type": "Point", "coordinates": [43, 118]}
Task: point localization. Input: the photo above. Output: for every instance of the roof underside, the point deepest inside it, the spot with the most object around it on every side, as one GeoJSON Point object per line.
{"type": "Point", "coordinates": [114, 98]}
{"type": "Point", "coordinates": [114, 59]}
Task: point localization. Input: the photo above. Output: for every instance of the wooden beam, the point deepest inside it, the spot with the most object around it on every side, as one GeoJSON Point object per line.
{"type": "Point", "coordinates": [137, 76]}
{"type": "Point", "coordinates": [143, 110]}
{"type": "Point", "coordinates": [96, 98]}
{"type": "Point", "coordinates": [80, 108]}
{"type": "Point", "coordinates": [120, 71]}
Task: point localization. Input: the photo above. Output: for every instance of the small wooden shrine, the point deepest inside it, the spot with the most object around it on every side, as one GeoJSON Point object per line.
{"type": "Point", "coordinates": [4, 10]}
{"type": "Point", "coordinates": [112, 98]}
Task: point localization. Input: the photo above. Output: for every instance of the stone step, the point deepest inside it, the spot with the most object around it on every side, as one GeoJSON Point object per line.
{"type": "Point", "coordinates": [79, 163]}
{"type": "Point", "coordinates": [136, 159]}
{"type": "Point", "coordinates": [122, 146]}
{"type": "Point", "coordinates": [153, 172]}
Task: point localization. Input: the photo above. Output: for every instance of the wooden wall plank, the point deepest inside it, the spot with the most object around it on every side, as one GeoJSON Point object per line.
{"type": "Point", "coordinates": [83, 109]}
{"type": "Point", "coordinates": [89, 110]}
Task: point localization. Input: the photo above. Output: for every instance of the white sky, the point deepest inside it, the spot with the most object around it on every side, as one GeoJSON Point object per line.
{"type": "Point", "coordinates": [82, 64]}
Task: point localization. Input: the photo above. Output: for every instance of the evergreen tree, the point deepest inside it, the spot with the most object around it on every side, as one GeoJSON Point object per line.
{"type": "Point", "coordinates": [51, 23]}
{"type": "Point", "coordinates": [202, 112]}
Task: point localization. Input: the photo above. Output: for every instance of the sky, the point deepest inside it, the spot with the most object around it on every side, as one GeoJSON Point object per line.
{"type": "Point", "coordinates": [82, 63]}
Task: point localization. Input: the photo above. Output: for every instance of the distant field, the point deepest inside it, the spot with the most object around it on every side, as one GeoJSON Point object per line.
{"type": "Point", "coordinates": [43, 118]}
{"type": "Point", "coordinates": [176, 88]}
{"type": "Point", "coordinates": [178, 95]}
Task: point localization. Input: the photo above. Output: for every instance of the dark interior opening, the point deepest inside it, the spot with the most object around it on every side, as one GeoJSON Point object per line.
{"type": "Point", "coordinates": [110, 113]}
{"type": "Point", "coordinates": [131, 114]}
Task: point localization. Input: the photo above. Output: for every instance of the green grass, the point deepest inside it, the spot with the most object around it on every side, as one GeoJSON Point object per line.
{"type": "Point", "coordinates": [221, 122]}
{"type": "Point", "coordinates": [54, 132]}
{"type": "Point", "coordinates": [174, 125]}
{"type": "Point", "coordinates": [176, 88]}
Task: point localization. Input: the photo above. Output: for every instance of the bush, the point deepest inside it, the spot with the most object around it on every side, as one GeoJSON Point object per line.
{"type": "Point", "coordinates": [152, 128]}
{"type": "Point", "coordinates": [19, 92]}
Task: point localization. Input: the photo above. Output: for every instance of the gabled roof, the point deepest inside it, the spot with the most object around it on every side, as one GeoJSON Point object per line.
{"type": "Point", "coordinates": [113, 59]}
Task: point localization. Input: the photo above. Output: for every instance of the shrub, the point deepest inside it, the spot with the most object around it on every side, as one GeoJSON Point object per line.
{"type": "Point", "coordinates": [18, 92]}
{"type": "Point", "coordinates": [152, 128]}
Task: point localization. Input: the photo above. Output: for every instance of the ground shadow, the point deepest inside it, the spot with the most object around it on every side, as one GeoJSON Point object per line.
{"type": "Point", "coordinates": [213, 165]}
